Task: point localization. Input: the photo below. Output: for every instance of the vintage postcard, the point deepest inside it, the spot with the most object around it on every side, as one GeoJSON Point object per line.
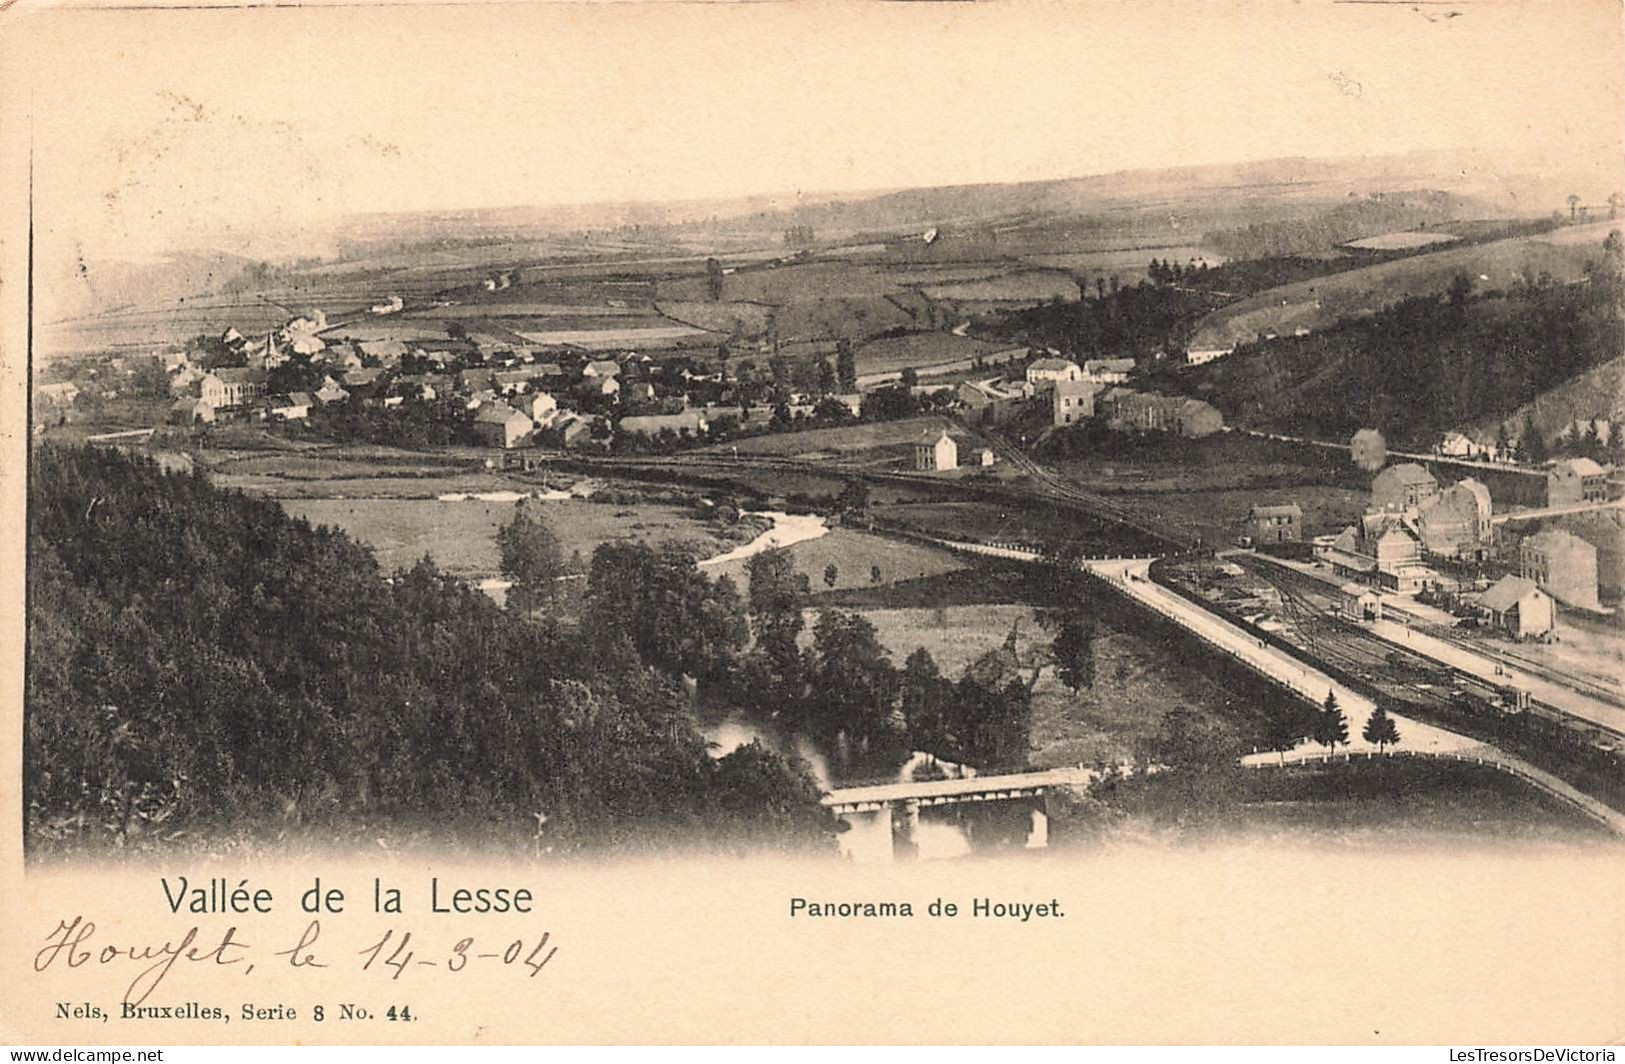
{"type": "Point", "coordinates": [1098, 523]}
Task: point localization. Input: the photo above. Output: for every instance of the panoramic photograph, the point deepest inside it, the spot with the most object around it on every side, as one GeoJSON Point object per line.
{"type": "Point", "coordinates": [536, 436]}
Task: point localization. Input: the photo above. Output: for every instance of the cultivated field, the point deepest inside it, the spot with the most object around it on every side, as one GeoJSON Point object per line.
{"type": "Point", "coordinates": [846, 441]}
{"type": "Point", "coordinates": [921, 350]}
{"type": "Point", "coordinates": [1402, 241]}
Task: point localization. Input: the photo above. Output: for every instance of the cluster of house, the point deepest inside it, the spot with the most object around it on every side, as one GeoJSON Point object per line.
{"type": "Point", "coordinates": [1413, 523]}
{"type": "Point", "coordinates": [512, 392]}
{"type": "Point", "coordinates": [1093, 390]}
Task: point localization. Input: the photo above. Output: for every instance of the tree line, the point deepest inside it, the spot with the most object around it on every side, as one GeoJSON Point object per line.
{"type": "Point", "coordinates": [202, 665]}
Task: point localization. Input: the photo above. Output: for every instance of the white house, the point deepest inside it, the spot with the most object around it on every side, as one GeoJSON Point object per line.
{"type": "Point", "coordinates": [1047, 371]}
{"type": "Point", "coordinates": [939, 452]}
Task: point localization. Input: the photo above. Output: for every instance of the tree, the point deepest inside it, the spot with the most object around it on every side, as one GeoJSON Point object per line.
{"type": "Point", "coordinates": [874, 574]}
{"type": "Point", "coordinates": [1286, 726]}
{"type": "Point", "coordinates": [713, 280]}
{"type": "Point", "coordinates": [1461, 286]}
{"type": "Point", "coordinates": [1531, 446]}
{"type": "Point", "coordinates": [909, 377]}
{"type": "Point", "coordinates": [923, 696]}
{"type": "Point", "coordinates": [1185, 739]}
{"type": "Point", "coordinates": [531, 558]}
{"type": "Point", "coordinates": [1380, 729]}
{"type": "Point", "coordinates": [854, 497]}
{"type": "Point", "coordinates": [1613, 205]}
{"type": "Point", "coordinates": [1074, 650]}
{"type": "Point", "coordinates": [832, 575]}
{"type": "Point", "coordinates": [855, 684]}
{"type": "Point", "coordinates": [846, 365]}
{"type": "Point", "coordinates": [826, 377]}
{"type": "Point", "coordinates": [1574, 206]}
{"type": "Point", "coordinates": [776, 593]}
{"type": "Point", "coordinates": [1331, 727]}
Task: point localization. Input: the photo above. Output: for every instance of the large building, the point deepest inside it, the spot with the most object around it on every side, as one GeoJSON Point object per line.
{"type": "Point", "coordinates": [1047, 371]}
{"type": "Point", "coordinates": [1405, 486]}
{"type": "Point", "coordinates": [936, 452]}
{"type": "Point", "coordinates": [499, 425]}
{"type": "Point", "coordinates": [225, 389]}
{"type": "Point", "coordinates": [1275, 524]}
{"type": "Point", "coordinates": [1456, 522]}
{"type": "Point", "coordinates": [1384, 548]}
{"type": "Point", "coordinates": [1073, 401]}
{"type": "Point", "coordinates": [1574, 481]}
{"type": "Point", "coordinates": [1516, 606]}
{"type": "Point", "coordinates": [1150, 412]}
{"type": "Point", "coordinates": [1563, 565]}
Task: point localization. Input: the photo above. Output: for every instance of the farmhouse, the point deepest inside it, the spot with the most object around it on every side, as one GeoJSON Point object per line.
{"type": "Point", "coordinates": [500, 425]}
{"type": "Point", "coordinates": [1518, 607]}
{"type": "Point", "coordinates": [292, 407]}
{"type": "Point", "coordinates": [330, 393]}
{"type": "Point", "coordinates": [511, 381]}
{"type": "Point", "coordinates": [1561, 564]}
{"type": "Point", "coordinates": [936, 452]}
{"type": "Point", "coordinates": [227, 388]}
{"type": "Point", "coordinates": [1047, 371]}
{"type": "Point", "coordinates": [1072, 401]}
{"type": "Point", "coordinates": [603, 367]}
{"type": "Point", "coordinates": [191, 412]}
{"type": "Point", "coordinates": [1202, 356]}
{"type": "Point", "coordinates": [599, 386]}
{"type": "Point", "coordinates": [62, 394]}
{"type": "Point", "coordinates": [1108, 370]}
{"type": "Point", "coordinates": [1457, 445]}
{"type": "Point", "coordinates": [543, 409]}
{"type": "Point", "coordinates": [1276, 524]}
{"type": "Point", "coordinates": [1576, 480]}
{"type": "Point", "coordinates": [1402, 487]}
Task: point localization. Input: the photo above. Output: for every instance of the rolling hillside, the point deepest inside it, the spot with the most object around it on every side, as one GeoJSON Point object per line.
{"type": "Point", "coordinates": [1317, 304]}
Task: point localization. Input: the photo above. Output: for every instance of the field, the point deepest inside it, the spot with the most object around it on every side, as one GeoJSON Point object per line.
{"type": "Point", "coordinates": [1402, 241]}
{"type": "Point", "coordinates": [1036, 286]}
{"type": "Point", "coordinates": [855, 555]}
{"type": "Point", "coordinates": [921, 350]}
{"type": "Point", "coordinates": [745, 321]}
{"type": "Point", "coordinates": [1318, 303]}
{"type": "Point", "coordinates": [846, 441]}
{"type": "Point", "coordinates": [610, 338]}
{"type": "Point", "coordinates": [461, 536]}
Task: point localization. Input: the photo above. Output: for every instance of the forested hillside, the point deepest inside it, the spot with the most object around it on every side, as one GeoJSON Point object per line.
{"type": "Point", "coordinates": [1425, 364]}
{"type": "Point", "coordinates": [203, 665]}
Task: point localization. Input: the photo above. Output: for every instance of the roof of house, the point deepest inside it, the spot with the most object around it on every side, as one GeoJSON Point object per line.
{"type": "Point", "coordinates": [1583, 467]}
{"type": "Point", "coordinates": [601, 367]}
{"type": "Point", "coordinates": [931, 437]}
{"type": "Point", "coordinates": [497, 414]}
{"type": "Point", "coordinates": [1121, 365]}
{"type": "Point", "coordinates": [1078, 387]}
{"type": "Point", "coordinates": [1557, 539]}
{"type": "Point", "coordinates": [1289, 509]}
{"type": "Point", "coordinates": [1507, 592]}
{"type": "Point", "coordinates": [1052, 365]}
{"type": "Point", "coordinates": [240, 375]}
{"type": "Point", "coordinates": [1407, 473]}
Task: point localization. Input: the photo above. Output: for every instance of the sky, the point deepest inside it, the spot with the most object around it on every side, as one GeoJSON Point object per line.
{"type": "Point", "coordinates": [153, 129]}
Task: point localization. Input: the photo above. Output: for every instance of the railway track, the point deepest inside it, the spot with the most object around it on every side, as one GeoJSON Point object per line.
{"type": "Point", "coordinates": [1368, 656]}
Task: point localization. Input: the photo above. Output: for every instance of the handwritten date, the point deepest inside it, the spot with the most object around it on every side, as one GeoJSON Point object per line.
{"type": "Point", "coordinates": [71, 946]}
